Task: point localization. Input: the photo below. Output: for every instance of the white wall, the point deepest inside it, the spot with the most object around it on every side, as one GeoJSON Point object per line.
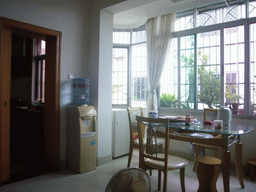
{"type": "Point", "coordinates": [105, 86]}
{"type": "Point", "coordinates": [100, 72]}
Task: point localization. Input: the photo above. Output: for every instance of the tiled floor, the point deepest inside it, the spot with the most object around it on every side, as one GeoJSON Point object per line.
{"type": "Point", "coordinates": [97, 180]}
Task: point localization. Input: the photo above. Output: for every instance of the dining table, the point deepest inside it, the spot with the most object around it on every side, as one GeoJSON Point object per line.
{"type": "Point", "coordinates": [223, 138]}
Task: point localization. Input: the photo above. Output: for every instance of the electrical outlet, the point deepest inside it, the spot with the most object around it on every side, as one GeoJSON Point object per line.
{"type": "Point", "coordinates": [70, 76]}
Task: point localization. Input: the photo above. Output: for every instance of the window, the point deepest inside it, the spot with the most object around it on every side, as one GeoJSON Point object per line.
{"type": "Point", "coordinates": [138, 75]}
{"type": "Point", "coordinates": [187, 72]}
{"type": "Point", "coordinates": [234, 68]}
{"type": "Point", "coordinates": [119, 76]}
{"type": "Point", "coordinates": [129, 70]}
{"type": "Point", "coordinates": [208, 61]}
{"type": "Point", "coordinates": [139, 88]}
{"type": "Point", "coordinates": [252, 102]}
{"type": "Point", "coordinates": [38, 76]}
{"type": "Point", "coordinates": [207, 65]}
{"type": "Point", "coordinates": [211, 62]}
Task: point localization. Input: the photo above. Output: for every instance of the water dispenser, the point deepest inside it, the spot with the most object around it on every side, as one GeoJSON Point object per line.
{"type": "Point", "coordinates": [82, 148]}
{"type": "Point", "coordinates": [80, 91]}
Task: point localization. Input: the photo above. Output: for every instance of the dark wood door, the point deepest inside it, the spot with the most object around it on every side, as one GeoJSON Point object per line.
{"type": "Point", "coordinates": [52, 94]}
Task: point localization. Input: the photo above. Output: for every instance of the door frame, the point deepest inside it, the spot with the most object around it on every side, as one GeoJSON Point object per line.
{"type": "Point", "coordinates": [52, 92]}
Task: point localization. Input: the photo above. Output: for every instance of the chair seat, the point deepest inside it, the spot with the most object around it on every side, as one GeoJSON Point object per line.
{"type": "Point", "coordinates": [174, 162]}
{"type": "Point", "coordinates": [158, 141]}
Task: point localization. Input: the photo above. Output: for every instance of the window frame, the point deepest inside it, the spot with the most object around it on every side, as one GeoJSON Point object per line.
{"type": "Point", "coordinates": [38, 59]}
{"type": "Point", "coordinates": [124, 46]}
{"type": "Point", "coordinates": [129, 75]}
{"type": "Point", "coordinates": [246, 22]}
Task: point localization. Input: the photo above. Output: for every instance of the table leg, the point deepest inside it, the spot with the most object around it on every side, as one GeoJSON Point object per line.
{"type": "Point", "coordinates": [226, 170]}
{"type": "Point", "coordinates": [238, 163]}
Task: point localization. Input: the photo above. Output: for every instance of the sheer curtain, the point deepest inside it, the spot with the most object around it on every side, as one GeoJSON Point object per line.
{"type": "Point", "coordinates": [158, 32]}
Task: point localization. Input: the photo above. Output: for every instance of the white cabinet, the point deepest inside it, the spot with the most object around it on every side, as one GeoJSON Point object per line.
{"type": "Point", "coordinates": [121, 133]}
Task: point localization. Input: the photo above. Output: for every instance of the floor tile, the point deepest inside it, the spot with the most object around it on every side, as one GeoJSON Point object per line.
{"type": "Point", "coordinates": [97, 180]}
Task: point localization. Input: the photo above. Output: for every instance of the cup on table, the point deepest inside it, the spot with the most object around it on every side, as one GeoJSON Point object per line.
{"type": "Point", "coordinates": [218, 125]}
{"type": "Point", "coordinates": [153, 114]}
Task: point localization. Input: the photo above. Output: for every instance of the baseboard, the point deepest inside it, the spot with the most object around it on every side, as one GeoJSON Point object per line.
{"type": "Point", "coordinates": [100, 161]}
{"type": "Point", "coordinates": [63, 164]}
{"type": "Point", "coordinates": [104, 160]}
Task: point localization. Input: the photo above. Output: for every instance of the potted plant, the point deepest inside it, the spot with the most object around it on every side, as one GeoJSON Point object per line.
{"type": "Point", "coordinates": [168, 100]}
{"type": "Point", "coordinates": [232, 98]}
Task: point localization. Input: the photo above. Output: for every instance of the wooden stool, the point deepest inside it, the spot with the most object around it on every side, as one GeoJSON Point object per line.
{"type": "Point", "coordinates": [251, 168]}
{"type": "Point", "coordinates": [208, 170]}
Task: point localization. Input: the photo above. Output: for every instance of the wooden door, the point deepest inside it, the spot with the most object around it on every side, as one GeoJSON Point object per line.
{"type": "Point", "coordinates": [5, 85]}
{"type": "Point", "coordinates": [52, 93]}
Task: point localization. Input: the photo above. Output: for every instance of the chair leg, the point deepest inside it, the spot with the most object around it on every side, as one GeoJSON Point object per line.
{"type": "Point", "coordinates": [160, 148]}
{"type": "Point", "coordinates": [130, 156]}
{"type": "Point", "coordinates": [194, 166]}
{"type": "Point", "coordinates": [247, 168]}
{"type": "Point", "coordinates": [159, 180]}
{"type": "Point", "coordinates": [203, 151]}
{"type": "Point", "coordinates": [182, 179]}
{"type": "Point", "coordinates": [217, 153]}
{"type": "Point", "coordinates": [196, 155]}
{"type": "Point", "coordinates": [165, 180]}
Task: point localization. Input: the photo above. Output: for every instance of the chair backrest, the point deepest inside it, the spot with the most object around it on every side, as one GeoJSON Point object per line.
{"type": "Point", "coordinates": [155, 127]}
{"type": "Point", "coordinates": [212, 113]}
{"type": "Point", "coordinates": [132, 113]}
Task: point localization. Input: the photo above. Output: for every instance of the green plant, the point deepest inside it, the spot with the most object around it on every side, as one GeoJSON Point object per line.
{"type": "Point", "coordinates": [116, 88]}
{"type": "Point", "coordinates": [209, 87]}
{"type": "Point", "coordinates": [168, 100]}
{"type": "Point", "coordinates": [232, 97]}
{"type": "Point", "coordinates": [209, 82]}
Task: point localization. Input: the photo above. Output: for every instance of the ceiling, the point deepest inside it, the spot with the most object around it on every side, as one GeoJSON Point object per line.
{"type": "Point", "coordinates": [132, 14]}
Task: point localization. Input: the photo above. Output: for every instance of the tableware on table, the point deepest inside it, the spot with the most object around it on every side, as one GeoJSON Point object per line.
{"type": "Point", "coordinates": [153, 114]}
{"type": "Point", "coordinates": [177, 119]}
{"type": "Point", "coordinates": [218, 125]}
{"type": "Point", "coordinates": [188, 119]}
{"type": "Point", "coordinates": [225, 115]}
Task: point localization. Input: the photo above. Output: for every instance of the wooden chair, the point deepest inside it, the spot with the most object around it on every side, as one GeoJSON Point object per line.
{"type": "Point", "coordinates": [197, 146]}
{"type": "Point", "coordinates": [149, 155]}
{"type": "Point", "coordinates": [132, 113]}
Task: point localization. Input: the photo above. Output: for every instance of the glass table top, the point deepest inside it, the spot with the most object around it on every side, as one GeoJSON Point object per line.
{"type": "Point", "coordinates": [235, 129]}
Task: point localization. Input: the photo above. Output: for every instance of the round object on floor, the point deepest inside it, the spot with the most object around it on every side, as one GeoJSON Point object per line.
{"type": "Point", "coordinates": [129, 179]}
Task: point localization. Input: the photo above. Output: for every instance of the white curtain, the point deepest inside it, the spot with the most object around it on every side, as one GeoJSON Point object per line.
{"type": "Point", "coordinates": [158, 32]}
